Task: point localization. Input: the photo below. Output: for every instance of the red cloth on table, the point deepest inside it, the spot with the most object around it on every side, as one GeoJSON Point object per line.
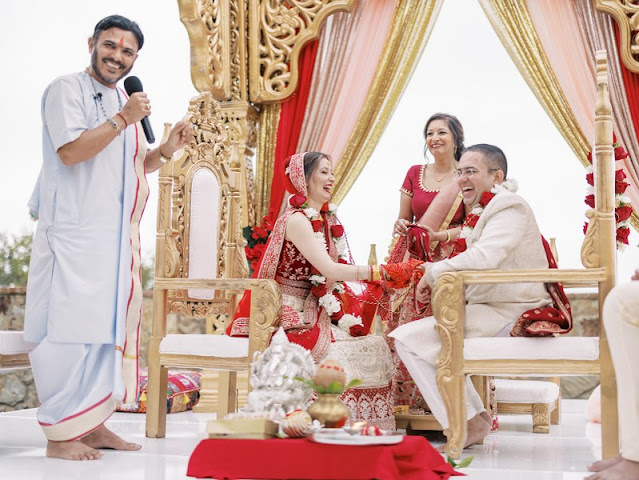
{"type": "Point", "coordinates": [299, 458]}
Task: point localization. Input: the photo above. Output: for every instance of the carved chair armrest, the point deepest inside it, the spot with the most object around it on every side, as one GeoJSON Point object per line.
{"type": "Point", "coordinates": [448, 295]}
{"type": "Point", "coordinates": [573, 276]}
{"type": "Point", "coordinates": [266, 303]}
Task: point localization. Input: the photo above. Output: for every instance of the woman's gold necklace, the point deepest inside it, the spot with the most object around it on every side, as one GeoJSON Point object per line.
{"type": "Point", "coordinates": [439, 180]}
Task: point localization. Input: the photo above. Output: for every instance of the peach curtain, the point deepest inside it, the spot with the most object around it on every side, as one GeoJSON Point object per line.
{"type": "Point", "coordinates": [513, 24]}
{"type": "Point", "coordinates": [597, 30]}
{"type": "Point", "coordinates": [412, 23]}
{"type": "Point", "coordinates": [349, 65]}
{"type": "Point", "coordinates": [557, 26]}
{"type": "Point", "coordinates": [337, 39]}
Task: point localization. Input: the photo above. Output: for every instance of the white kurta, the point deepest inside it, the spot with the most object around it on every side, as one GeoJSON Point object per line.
{"type": "Point", "coordinates": [84, 287]}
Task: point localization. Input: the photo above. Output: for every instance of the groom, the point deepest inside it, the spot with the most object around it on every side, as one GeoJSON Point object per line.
{"type": "Point", "coordinates": [504, 237]}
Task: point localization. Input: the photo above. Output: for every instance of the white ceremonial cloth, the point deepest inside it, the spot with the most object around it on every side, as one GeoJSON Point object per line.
{"type": "Point", "coordinates": [506, 237]}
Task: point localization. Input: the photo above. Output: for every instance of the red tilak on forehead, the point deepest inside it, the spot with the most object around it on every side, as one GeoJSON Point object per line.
{"type": "Point", "coordinates": [121, 42]}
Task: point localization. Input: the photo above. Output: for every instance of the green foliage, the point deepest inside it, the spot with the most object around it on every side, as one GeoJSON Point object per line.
{"type": "Point", "coordinates": [148, 273]}
{"type": "Point", "coordinates": [334, 387]}
{"type": "Point", "coordinates": [15, 254]}
{"type": "Point", "coordinates": [462, 463]}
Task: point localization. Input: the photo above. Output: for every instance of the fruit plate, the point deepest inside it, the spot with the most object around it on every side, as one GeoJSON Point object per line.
{"type": "Point", "coordinates": [340, 437]}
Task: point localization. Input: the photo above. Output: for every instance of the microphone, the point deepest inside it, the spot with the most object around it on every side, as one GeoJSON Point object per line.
{"type": "Point", "coordinates": [97, 96]}
{"type": "Point", "coordinates": [133, 85]}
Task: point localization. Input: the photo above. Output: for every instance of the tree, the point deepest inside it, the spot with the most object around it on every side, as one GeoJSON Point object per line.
{"type": "Point", "coordinates": [15, 254]}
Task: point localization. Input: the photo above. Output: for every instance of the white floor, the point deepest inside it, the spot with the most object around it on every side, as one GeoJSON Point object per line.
{"type": "Point", "coordinates": [511, 453]}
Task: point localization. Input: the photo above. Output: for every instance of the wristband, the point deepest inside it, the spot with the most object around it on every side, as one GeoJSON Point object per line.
{"type": "Point", "coordinates": [126, 124]}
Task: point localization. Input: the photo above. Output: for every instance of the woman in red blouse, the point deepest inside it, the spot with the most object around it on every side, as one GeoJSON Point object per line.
{"type": "Point", "coordinates": [430, 198]}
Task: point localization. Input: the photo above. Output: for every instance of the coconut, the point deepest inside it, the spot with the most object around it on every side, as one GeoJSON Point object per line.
{"type": "Point", "coordinates": [329, 371]}
{"type": "Point", "coordinates": [297, 424]}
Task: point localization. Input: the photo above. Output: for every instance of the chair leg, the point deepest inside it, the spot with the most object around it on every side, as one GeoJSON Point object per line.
{"type": "Point", "coordinates": [226, 393]}
{"type": "Point", "coordinates": [555, 415]}
{"type": "Point", "coordinates": [541, 417]}
{"type": "Point", "coordinates": [453, 391]}
{"type": "Point", "coordinates": [156, 396]}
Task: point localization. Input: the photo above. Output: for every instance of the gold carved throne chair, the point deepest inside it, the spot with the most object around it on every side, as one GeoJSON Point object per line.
{"type": "Point", "coordinates": [538, 357]}
{"type": "Point", "coordinates": [200, 268]}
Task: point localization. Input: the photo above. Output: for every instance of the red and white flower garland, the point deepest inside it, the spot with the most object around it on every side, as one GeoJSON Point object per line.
{"type": "Point", "coordinates": [329, 301]}
{"type": "Point", "coordinates": [623, 208]}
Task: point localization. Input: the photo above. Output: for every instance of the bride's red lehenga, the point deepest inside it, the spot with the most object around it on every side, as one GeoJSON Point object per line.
{"type": "Point", "coordinates": [365, 357]}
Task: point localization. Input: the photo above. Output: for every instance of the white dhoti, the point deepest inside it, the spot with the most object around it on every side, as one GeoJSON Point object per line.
{"type": "Point", "coordinates": [621, 321]}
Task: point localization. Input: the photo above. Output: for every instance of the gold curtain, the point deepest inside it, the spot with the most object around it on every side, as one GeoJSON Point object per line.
{"type": "Point", "coordinates": [512, 23]}
{"type": "Point", "coordinates": [412, 24]}
{"type": "Point", "coordinates": [267, 137]}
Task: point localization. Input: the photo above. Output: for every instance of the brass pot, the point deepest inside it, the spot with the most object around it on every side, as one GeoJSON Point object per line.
{"type": "Point", "coordinates": [329, 410]}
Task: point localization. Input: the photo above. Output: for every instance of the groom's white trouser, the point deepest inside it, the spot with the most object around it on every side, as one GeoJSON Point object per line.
{"type": "Point", "coordinates": [424, 375]}
{"type": "Point", "coordinates": [621, 321]}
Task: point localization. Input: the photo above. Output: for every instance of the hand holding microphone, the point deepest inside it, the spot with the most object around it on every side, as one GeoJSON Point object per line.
{"type": "Point", "coordinates": [138, 107]}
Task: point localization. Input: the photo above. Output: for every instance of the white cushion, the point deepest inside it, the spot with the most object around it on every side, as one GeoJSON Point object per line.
{"type": "Point", "coordinates": [205, 345]}
{"type": "Point", "coordinates": [205, 228]}
{"type": "Point", "coordinates": [13, 342]}
{"type": "Point", "coordinates": [528, 348]}
{"type": "Point", "coordinates": [525, 391]}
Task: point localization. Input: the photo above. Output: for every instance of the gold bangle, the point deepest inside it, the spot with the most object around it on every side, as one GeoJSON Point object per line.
{"type": "Point", "coordinates": [163, 159]}
{"type": "Point", "coordinates": [375, 274]}
{"type": "Point", "coordinates": [447, 236]}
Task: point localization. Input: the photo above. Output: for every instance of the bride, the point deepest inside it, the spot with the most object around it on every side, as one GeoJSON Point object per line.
{"type": "Point", "coordinates": [308, 256]}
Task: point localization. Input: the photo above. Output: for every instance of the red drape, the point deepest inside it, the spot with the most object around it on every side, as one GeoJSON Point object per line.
{"type": "Point", "coordinates": [631, 82]}
{"type": "Point", "coordinates": [414, 458]}
{"type": "Point", "coordinates": [290, 125]}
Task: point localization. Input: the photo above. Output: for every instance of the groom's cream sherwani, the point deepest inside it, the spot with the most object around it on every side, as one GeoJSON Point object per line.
{"type": "Point", "coordinates": [506, 237]}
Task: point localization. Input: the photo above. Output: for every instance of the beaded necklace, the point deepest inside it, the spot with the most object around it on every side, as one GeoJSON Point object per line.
{"type": "Point", "coordinates": [98, 96]}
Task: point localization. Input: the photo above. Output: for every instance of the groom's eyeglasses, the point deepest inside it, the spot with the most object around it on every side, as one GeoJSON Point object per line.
{"type": "Point", "coordinates": [469, 172]}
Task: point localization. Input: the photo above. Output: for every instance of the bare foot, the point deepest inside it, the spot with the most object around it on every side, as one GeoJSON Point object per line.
{"type": "Point", "coordinates": [622, 470]}
{"type": "Point", "coordinates": [489, 420]}
{"type": "Point", "coordinates": [603, 464]}
{"type": "Point", "coordinates": [105, 438]}
{"type": "Point", "coordinates": [478, 428]}
{"type": "Point", "coordinates": [74, 450]}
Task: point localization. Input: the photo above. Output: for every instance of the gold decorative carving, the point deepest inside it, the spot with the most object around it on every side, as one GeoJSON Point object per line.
{"type": "Point", "coordinates": [209, 35]}
{"type": "Point", "coordinates": [590, 247]}
{"type": "Point", "coordinates": [541, 417]}
{"type": "Point", "coordinates": [626, 14]}
{"type": "Point", "coordinates": [449, 311]}
{"type": "Point", "coordinates": [266, 310]}
{"type": "Point", "coordinates": [278, 30]}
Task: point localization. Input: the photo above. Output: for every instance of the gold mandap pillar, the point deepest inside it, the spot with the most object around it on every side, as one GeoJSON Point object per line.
{"type": "Point", "coordinates": [246, 53]}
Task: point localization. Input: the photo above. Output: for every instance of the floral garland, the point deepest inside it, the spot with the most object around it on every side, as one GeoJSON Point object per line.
{"type": "Point", "coordinates": [256, 237]}
{"type": "Point", "coordinates": [330, 301]}
{"type": "Point", "coordinates": [623, 209]}
{"type": "Point", "coordinates": [470, 221]}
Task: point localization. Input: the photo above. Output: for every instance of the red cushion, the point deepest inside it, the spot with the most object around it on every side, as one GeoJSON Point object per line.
{"type": "Point", "coordinates": [183, 392]}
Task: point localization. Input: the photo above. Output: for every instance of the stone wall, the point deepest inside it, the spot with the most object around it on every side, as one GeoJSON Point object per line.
{"type": "Point", "coordinates": [17, 390]}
